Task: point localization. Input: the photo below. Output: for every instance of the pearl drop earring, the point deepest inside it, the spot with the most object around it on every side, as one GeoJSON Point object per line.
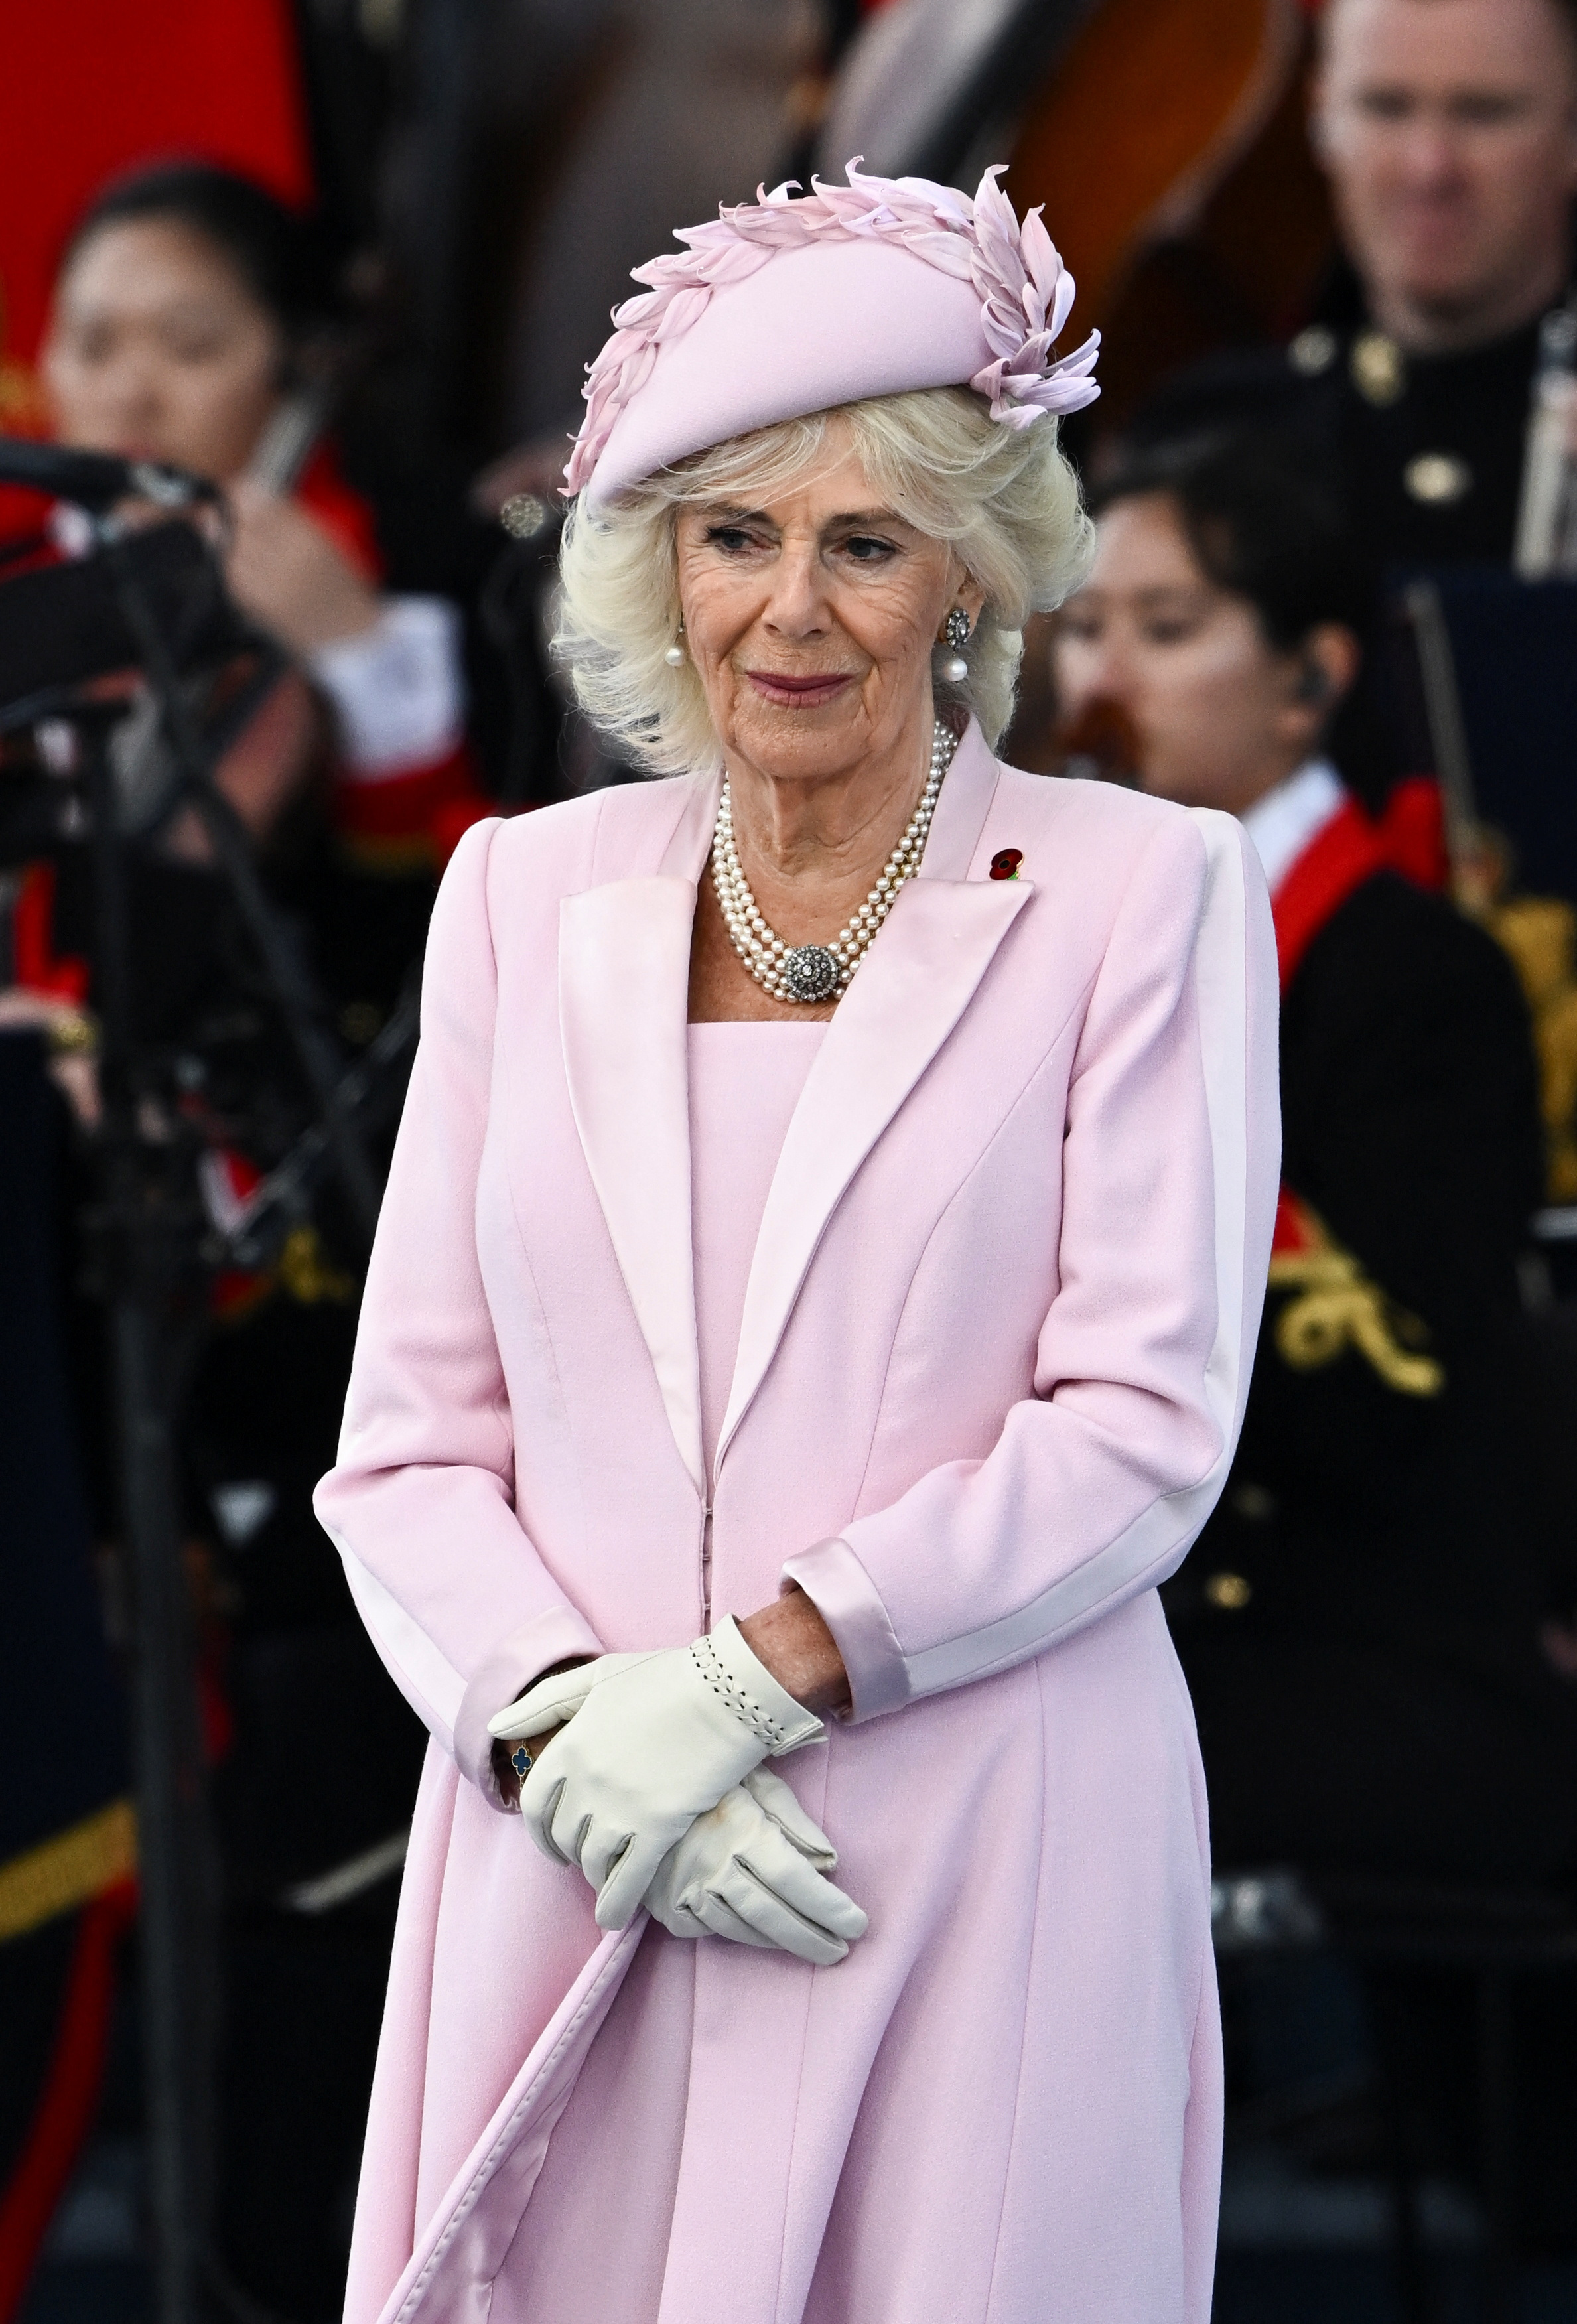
{"type": "Point", "coordinates": [674, 656]}
{"type": "Point", "coordinates": [955, 669]}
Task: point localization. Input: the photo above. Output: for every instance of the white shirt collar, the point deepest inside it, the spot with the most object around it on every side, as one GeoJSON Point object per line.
{"type": "Point", "coordinates": [1282, 824]}
{"type": "Point", "coordinates": [70, 528]}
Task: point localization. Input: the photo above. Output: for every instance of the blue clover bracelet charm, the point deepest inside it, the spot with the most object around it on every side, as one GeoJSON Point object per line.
{"type": "Point", "coordinates": [520, 1760]}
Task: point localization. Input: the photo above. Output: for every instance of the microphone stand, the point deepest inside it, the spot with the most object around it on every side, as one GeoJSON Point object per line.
{"type": "Point", "coordinates": [150, 1236]}
{"type": "Point", "coordinates": [144, 1235]}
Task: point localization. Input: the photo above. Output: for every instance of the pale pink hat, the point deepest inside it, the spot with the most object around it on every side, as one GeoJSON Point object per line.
{"type": "Point", "coordinates": [783, 306]}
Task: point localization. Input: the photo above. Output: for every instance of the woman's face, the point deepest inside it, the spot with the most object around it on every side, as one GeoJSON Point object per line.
{"type": "Point", "coordinates": [1219, 715]}
{"type": "Point", "coordinates": [158, 350]}
{"type": "Point", "coordinates": [810, 617]}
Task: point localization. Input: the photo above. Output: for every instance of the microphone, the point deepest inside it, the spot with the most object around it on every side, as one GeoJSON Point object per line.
{"type": "Point", "coordinates": [96, 481]}
{"type": "Point", "coordinates": [67, 623]}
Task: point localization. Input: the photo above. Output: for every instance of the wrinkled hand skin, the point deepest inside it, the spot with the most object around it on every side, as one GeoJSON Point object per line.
{"type": "Point", "coordinates": [796, 1647]}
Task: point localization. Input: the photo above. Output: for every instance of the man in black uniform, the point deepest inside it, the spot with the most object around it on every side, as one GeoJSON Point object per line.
{"type": "Point", "coordinates": [1448, 129]}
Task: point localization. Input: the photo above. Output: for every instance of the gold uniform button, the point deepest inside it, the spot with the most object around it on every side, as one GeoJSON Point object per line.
{"type": "Point", "coordinates": [1437, 478]}
{"type": "Point", "coordinates": [1312, 351]}
{"type": "Point", "coordinates": [1379, 372]}
{"type": "Point", "coordinates": [1230, 1592]}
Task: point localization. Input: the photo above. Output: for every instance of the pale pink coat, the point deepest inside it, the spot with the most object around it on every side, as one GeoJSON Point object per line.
{"type": "Point", "coordinates": [992, 1360]}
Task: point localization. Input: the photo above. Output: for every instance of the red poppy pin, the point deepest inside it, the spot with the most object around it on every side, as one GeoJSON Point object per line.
{"type": "Point", "coordinates": [1006, 861]}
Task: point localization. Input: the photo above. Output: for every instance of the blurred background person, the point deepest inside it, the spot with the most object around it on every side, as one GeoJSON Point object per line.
{"type": "Point", "coordinates": [193, 323]}
{"type": "Point", "coordinates": [1447, 131]}
{"type": "Point", "coordinates": [1360, 1624]}
{"type": "Point", "coordinates": [1375, 1627]}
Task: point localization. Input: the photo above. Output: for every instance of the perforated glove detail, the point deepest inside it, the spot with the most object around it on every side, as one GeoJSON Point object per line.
{"type": "Point", "coordinates": [652, 1741]}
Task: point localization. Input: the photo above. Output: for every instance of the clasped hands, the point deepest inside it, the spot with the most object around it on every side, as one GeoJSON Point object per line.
{"type": "Point", "coordinates": [655, 1788]}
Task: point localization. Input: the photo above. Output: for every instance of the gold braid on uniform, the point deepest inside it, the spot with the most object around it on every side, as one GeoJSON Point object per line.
{"type": "Point", "coordinates": [1540, 934]}
{"type": "Point", "coordinates": [1337, 1306]}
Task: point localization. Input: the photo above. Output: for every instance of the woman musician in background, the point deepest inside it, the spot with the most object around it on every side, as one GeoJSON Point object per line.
{"type": "Point", "coordinates": [187, 312]}
{"type": "Point", "coordinates": [1360, 1624]}
{"type": "Point", "coordinates": [187, 300]}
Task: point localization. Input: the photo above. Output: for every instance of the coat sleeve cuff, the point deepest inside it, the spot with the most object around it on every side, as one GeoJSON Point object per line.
{"type": "Point", "coordinates": [556, 1636]}
{"type": "Point", "coordinates": [843, 1594]}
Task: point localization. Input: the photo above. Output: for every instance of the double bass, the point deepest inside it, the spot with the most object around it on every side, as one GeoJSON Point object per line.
{"type": "Point", "coordinates": [1166, 142]}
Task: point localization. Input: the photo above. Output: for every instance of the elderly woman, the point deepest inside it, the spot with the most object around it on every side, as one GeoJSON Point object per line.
{"type": "Point", "coordinates": [811, 1314]}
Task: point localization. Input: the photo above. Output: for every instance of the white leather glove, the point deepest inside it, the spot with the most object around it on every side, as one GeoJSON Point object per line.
{"type": "Point", "coordinates": [652, 1741]}
{"type": "Point", "coordinates": [750, 1870]}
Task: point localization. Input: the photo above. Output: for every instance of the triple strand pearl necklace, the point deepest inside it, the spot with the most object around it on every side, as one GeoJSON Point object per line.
{"type": "Point", "coordinates": [810, 972]}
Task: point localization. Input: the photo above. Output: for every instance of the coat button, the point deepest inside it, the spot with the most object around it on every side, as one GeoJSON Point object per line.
{"type": "Point", "coordinates": [1229, 1591]}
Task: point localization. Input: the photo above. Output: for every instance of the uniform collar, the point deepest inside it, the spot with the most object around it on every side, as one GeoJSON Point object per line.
{"type": "Point", "coordinates": [1284, 821]}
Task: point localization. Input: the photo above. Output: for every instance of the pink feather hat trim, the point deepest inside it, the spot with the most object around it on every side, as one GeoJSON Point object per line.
{"type": "Point", "coordinates": [781, 308]}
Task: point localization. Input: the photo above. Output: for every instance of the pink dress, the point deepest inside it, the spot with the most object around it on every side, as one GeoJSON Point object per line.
{"type": "Point", "coordinates": [989, 1376]}
{"type": "Point", "coordinates": [596, 2229]}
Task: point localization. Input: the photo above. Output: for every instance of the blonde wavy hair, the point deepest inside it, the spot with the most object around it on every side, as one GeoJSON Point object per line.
{"type": "Point", "coordinates": [1004, 498]}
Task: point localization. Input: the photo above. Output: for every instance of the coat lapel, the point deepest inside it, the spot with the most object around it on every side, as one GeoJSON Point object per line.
{"type": "Point", "coordinates": [960, 812]}
{"type": "Point", "coordinates": [912, 988]}
{"type": "Point", "coordinates": [624, 985]}
{"type": "Point", "coordinates": [623, 993]}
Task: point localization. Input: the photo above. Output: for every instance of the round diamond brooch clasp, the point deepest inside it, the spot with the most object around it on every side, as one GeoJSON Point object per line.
{"type": "Point", "coordinates": [810, 972]}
